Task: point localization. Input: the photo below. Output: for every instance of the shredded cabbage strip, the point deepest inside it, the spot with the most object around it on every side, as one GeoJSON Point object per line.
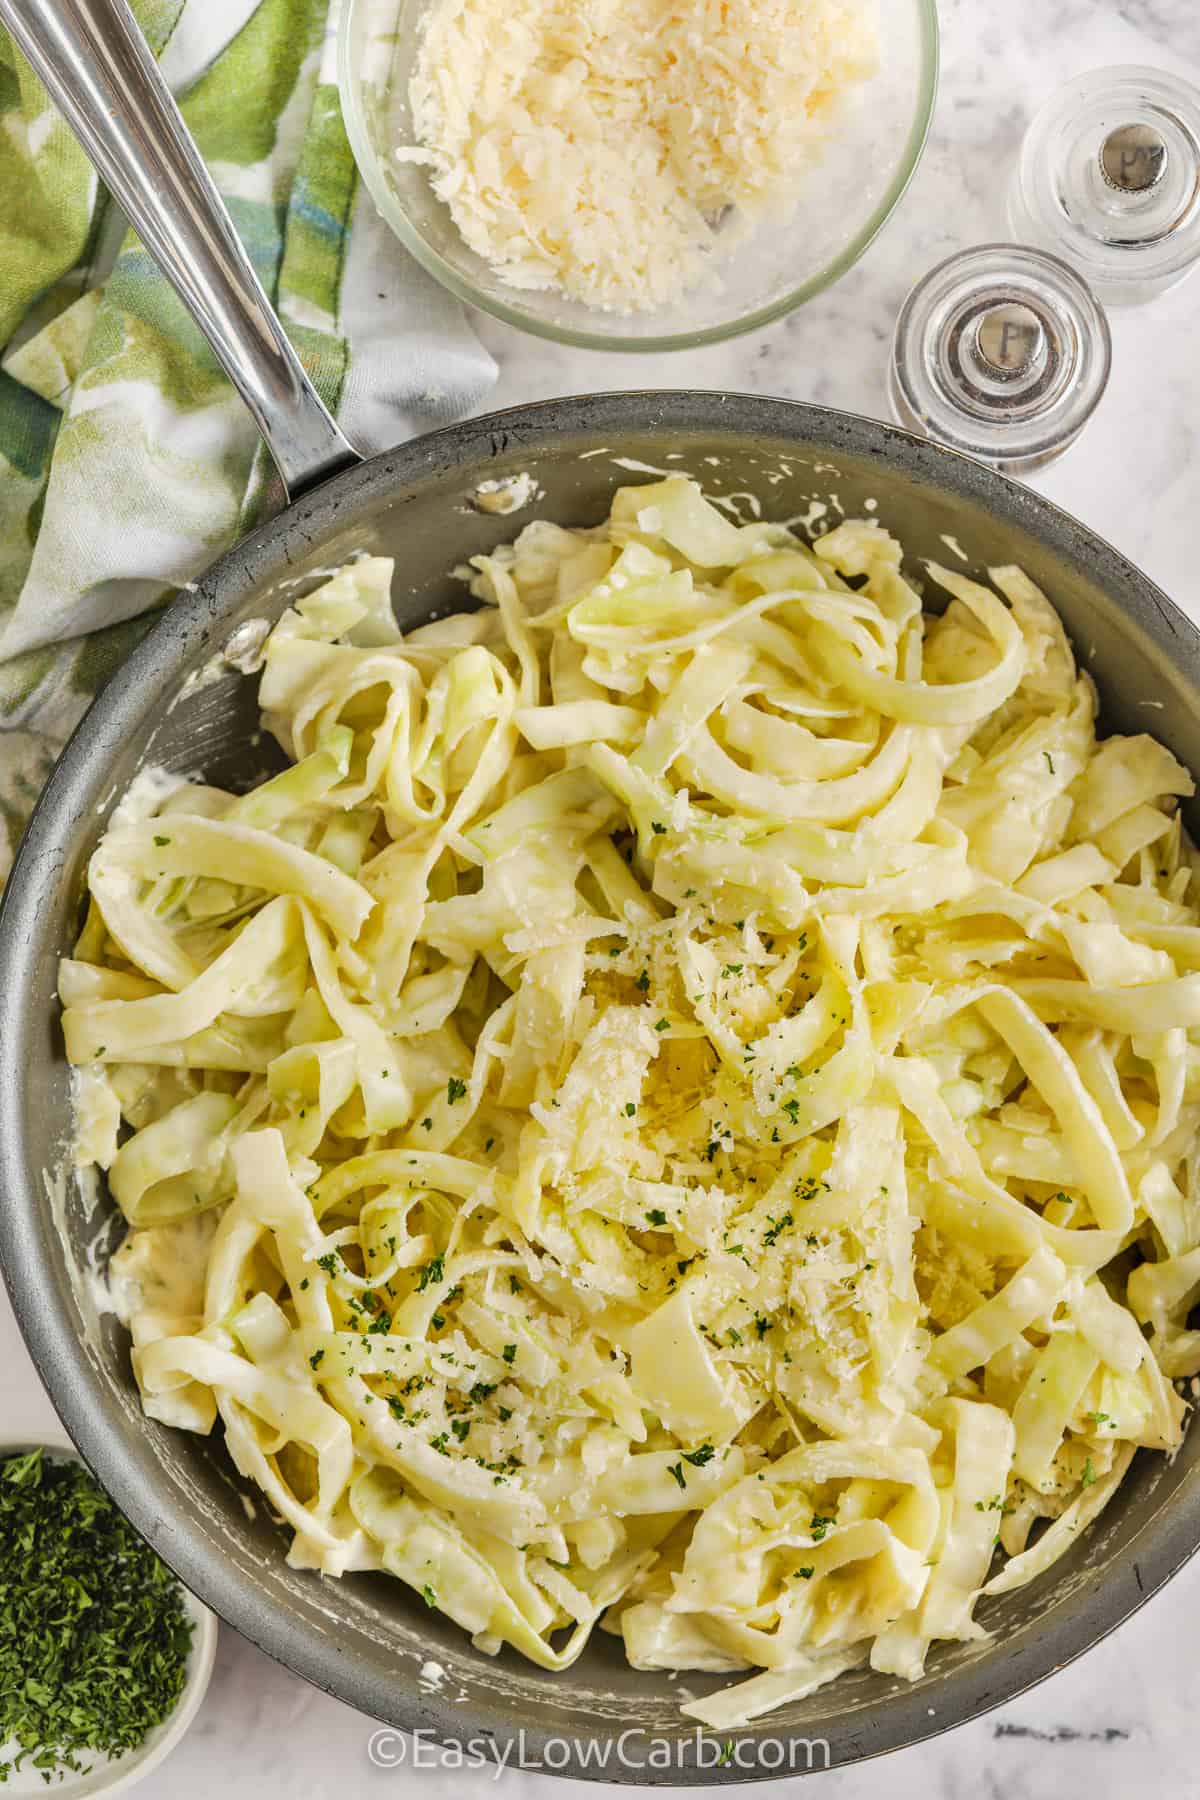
{"type": "Point", "coordinates": [678, 1110]}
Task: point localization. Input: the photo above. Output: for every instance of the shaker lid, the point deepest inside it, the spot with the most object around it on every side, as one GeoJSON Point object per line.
{"type": "Point", "coordinates": [1134, 157]}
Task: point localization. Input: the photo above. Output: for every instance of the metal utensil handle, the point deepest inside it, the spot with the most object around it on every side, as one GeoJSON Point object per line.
{"type": "Point", "coordinates": [100, 74]}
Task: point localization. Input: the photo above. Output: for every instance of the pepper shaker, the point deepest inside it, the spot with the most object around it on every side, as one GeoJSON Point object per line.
{"type": "Point", "coordinates": [1003, 352]}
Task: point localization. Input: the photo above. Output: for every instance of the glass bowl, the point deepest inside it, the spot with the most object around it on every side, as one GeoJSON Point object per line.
{"type": "Point", "coordinates": [864, 166]}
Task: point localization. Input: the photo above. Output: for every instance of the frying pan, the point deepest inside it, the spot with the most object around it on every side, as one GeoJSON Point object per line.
{"type": "Point", "coordinates": [179, 703]}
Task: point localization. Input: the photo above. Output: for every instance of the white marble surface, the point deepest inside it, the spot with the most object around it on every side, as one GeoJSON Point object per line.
{"type": "Point", "coordinates": [1126, 1718]}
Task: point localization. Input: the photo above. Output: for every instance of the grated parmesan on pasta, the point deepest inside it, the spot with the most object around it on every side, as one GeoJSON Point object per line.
{"type": "Point", "coordinates": [598, 147]}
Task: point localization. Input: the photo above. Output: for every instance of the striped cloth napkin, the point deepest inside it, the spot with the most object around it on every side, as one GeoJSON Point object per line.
{"type": "Point", "coordinates": [127, 462]}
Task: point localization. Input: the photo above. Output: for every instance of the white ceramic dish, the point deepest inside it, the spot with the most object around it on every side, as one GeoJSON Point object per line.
{"type": "Point", "coordinates": [114, 1775]}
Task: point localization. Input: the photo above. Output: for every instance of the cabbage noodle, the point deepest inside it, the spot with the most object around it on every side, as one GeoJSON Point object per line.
{"type": "Point", "coordinates": [677, 1110]}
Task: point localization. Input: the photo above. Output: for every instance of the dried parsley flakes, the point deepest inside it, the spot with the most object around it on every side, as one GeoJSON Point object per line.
{"type": "Point", "coordinates": [94, 1638]}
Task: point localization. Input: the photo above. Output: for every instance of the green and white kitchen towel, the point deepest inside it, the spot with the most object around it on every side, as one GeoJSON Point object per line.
{"type": "Point", "coordinates": [127, 462]}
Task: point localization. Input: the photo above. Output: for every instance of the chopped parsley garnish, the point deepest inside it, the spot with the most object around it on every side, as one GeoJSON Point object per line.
{"type": "Point", "coordinates": [428, 1595]}
{"type": "Point", "coordinates": [658, 828]}
{"type": "Point", "coordinates": [771, 1236]}
{"type": "Point", "coordinates": [316, 1359]}
{"type": "Point", "coordinates": [699, 1457]}
{"type": "Point", "coordinates": [676, 1469]}
{"type": "Point", "coordinates": [434, 1270]}
{"type": "Point", "coordinates": [94, 1637]}
{"type": "Point", "coordinates": [656, 1216]}
{"type": "Point", "coordinates": [642, 984]}
{"type": "Point", "coordinates": [818, 1526]}
{"type": "Point", "coordinates": [455, 1089]}
{"type": "Point", "coordinates": [509, 1353]}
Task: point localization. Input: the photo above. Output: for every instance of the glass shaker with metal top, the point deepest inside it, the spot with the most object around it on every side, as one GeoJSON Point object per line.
{"type": "Point", "coordinates": [1109, 179]}
{"type": "Point", "coordinates": [1003, 352]}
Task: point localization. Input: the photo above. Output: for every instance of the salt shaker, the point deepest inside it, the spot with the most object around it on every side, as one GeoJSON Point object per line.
{"type": "Point", "coordinates": [1109, 179]}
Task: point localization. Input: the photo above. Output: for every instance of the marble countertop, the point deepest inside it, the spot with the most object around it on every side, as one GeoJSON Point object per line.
{"type": "Point", "coordinates": [1126, 1717]}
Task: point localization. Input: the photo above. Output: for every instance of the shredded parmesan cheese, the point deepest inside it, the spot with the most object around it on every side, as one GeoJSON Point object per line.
{"type": "Point", "coordinates": [600, 147]}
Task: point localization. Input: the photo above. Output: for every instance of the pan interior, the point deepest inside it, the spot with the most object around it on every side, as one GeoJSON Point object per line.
{"type": "Point", "coordinates": [180, 705]}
